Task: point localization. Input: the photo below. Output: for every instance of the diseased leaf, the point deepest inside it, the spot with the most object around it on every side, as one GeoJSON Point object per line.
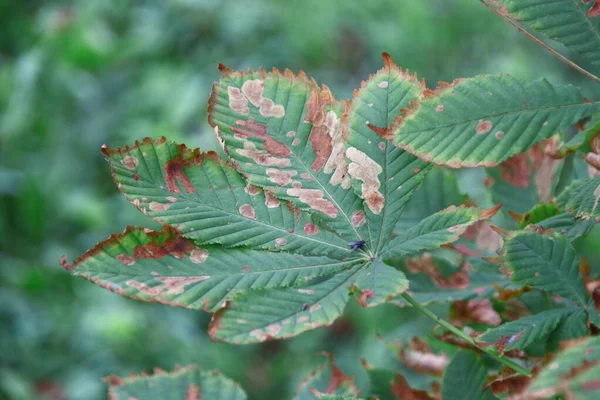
{"type": "Point", "coordinates": [442, 227]}
{"type": "Point", "coordinates": [528, 178]}
{"type": "Point", "coordinates": [545, 262]}
{"type": "Point", "coordinates": [387, 384]}
{"type": "Point", "coordinates": [166, 268]}
{"type": "Point", "coordinates": [521, 333]}
{"type": "Point", "coordinates": [574, 23]}
{"type": "Point", "coordinates": [284, 133]}
{"type": "Point", "coordinates": [258, 315]}
{"type": "Point", "coordinates": [567, 225]}
{"type": "Point", "coordinates": [572, 366]}
{"type": "Point", "coordinates": [484, 120]}
{"type": "Point", "coordinates": [379, 283]}
{"type": "Point", "coordinates": [382, 174]}
{"type": "Point", "coordinates": [327, 379]}
{"type": "Point", "coordinates": [185, 383]}
{"type": "Point", "coordinates": [465, 378]}
{"type": "Point", "coordinates": [581, 198]}
{"type": "Point", "coordinates": [573, 326]}
{"type": "Point", "coordinates": [208, 200]}
{"type": "Point", "coordinates": [538, 214]}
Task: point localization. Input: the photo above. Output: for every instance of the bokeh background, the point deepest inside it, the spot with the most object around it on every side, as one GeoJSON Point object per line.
{"type": "Point", "coordinates": [77, 74]}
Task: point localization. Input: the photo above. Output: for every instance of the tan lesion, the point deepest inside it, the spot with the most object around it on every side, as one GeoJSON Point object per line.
{"type": "Point", "coordinates": [366, 170]}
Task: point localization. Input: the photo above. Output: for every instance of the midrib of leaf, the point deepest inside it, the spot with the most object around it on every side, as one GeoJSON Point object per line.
{"type": "Point", "coordinates": [189, 199]}
{"type": "Point", "coordinates": [501, 115]}
{"type": "Point", "coordinates": [306, 169]}
{"type": "Point", "coordinates": [583, 303]}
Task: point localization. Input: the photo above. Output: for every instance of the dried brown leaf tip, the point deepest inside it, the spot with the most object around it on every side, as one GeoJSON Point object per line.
{"type": "Point", "coordinates": [419, 357]}
{"type": "Point", "coordinates": [402, 390]}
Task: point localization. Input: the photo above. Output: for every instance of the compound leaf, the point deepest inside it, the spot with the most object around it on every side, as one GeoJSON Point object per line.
{"type": "Point", "coordinates": [185, 383]}
{"type": "Point", "coordinates": [484, 120]}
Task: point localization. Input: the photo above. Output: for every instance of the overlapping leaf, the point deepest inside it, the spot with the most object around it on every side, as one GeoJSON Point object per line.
{"type": "Point", "coordinates": [185, 383]}
{"type": "Point", "coordinates": [277, 239]}
{"type": "Point", "coordinates": [574, 23]}
{"type": "Point", "coordinates": [467, 372]}
{"type": "Point", "coordinates": [484, 120]}
{"type": "Point", "coordinates": [327, 379]}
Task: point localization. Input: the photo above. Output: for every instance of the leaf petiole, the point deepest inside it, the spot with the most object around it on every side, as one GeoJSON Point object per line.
{"type": "Point", "coordinates": [464, 336]}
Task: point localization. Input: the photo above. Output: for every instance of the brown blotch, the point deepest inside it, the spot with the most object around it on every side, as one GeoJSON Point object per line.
{"type": "Point", "coordinates": [155, 206]}
{"type": "Point", "coordinates": [247, 211]}
{"type": "Point", "coordinates": [270, 200]}
{"type": "Point", "coordinates": [237, 101]}
{"type": "Point", "coordinates": [516, 171]}
{"type": "Point", "coordinates": [358, 218]}
{"type": "Point", "coordinates": [336, 163]}
{"type": "Point", "coordinates": [594, 11]}
{"type": "Point", "coordinates": [245, 268]}
{"type": "Point", "coordinates": [252, 190]}
{"type": "Point", "coordinates": [281, 178]}
{"type": "Point", "coordinates": [321, 144]}
{"type": "Point", "coordinates": [254, 129]}
{"type": "Point", "coordinates": [483, 127]}
{"type": "Point", "coordinates": [125, 259]}
{"type": "Point", "coordinates": [253, 90]}
{"type": "Point", "coordinates": [366, 170]}
{"type": "Point", "coordinates": [136, 177]}
{"type": "Point", "coordinates": [173, 172]}
{"type": "Point", "coordinates": [314, 198]}
{"type": "Point", "coordinates": [178, 247]}
{"type": "Point", "coordinates": [262, 157]}
{"type": "Point", "coordinates": [439, 108]}
{"type": "Point", "coordinates": [499, 135]}
{"type": "Point", "coordinates": [402, 390]}
{"type": "Point", "coordinates": [198, 256]}
{"type": "Point", "coordinates": [130, 162]}
{"type": "Point", "coordinates": [311, 229]}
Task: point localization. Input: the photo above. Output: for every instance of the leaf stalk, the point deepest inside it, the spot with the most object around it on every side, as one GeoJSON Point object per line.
{"type": "Point", "coordinates": [509, 363]}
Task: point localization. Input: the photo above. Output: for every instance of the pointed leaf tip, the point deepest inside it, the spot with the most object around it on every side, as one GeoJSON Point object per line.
{"type": "Point", "coordinates": [384, 133]}
{"type": "Point", "coordinates": [516, 216]}
{"type": "Point", "coordinates": [224, 69]}
{"type": "Point", "coordinates": [489, 213]}
{"type": "Point", "coordinates": [65, 264]}
{"type": "Point", "coordinates": [498, 230]}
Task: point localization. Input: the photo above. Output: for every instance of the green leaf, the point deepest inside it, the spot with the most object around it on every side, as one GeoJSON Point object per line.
{"type": "Point", "coordinates": [258, 315]}
{"type": "Point", "coordinates": [571, 366]}
{"type": "Point", "coordinates": [567, 225]}
{"type": "Point", "coordinates": [284, 133]}
{"type": "Point", "coordinates": [483, 121]}
{"type": "Point", "coordinates": [438, 191]}
{"type": "Point", "coordinates": [538, 214]}
{"type": "Point", "coordinates": [581, 198]}
{"type": "Point", "coordinates": [521, 333]}
{"type": "Point", "coordinates": [467, 372]}
{"type": "Point", "coordinates": [570, 22]}
{"type": "Point", "coordinates": [545, 262]}
{"type": "Point", "coordinates": [184, 383]}
{"type": "Point", "coordinates": [328, 379]}
{"type": "Point", "coordinates": [573, 326]}
{"type": "Point", "coordinates": [440, 228]}
{"type": "Point", "coordinates": [382, 174]}
{"type": "Point", "coordinates": [166, 268]}
{"type": "Point", "coordinates": [379, 283]}
{"type": "Point", "coordinates": [208, 200]}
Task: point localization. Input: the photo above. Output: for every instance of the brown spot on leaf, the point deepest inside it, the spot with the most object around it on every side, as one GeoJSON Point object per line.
{"type": "Point", "coordinates": [136, 177]}
{"type": "Point", "coordinates": [245, 268]}
{"type": "Point", "coordinates": [155, 206]}
{"type": "Point", "coordinates": [479, 311]}
{"type": "Point", "coordinates": [381, 146]}
{"type": "Point", "coordinates": [321, 144]}
{"type": "Point", "coordinates": [170, 284]}
{"type": "Point", "coordinates": [125, 259]}
{"type": "Point", "coordinates": [358, 218]}
{"type": "Point", "coordinates": [418, 356]}
{"type": "Point", "coordinates": [483, 127]}
{"type": "Point", "coordinates": [262, 157]}
{"type": "Point", "coordinates": [336, 163]}
{"type": "Point", "coordinates": [237, 101]}
{"type": "Point", "coordinates": [314, 198]}
{"type": "Point", "coordinates": [178, 247]}
{"type": "Point", "coordinates": [252, 129]}
{"type": "Point", "coordinates": [366, 170]}
{"type": "Point", "coordinates": [594, 10]}
{"type": "Point", "coordinates": [499, 135]}
{"type": "Point", "coordinates": [252, 190]}
{"type": "Point", "coordinates": [130, 162]}
{"type": "Point", "coordinates": [270, 200]}
{"type": "Point", "coordinates": [173, 172]}
{"type": "Point", "coordinates": [279, 177]}
{"type": "Point", "coordinates": [439, 108]}
{"type": "Point", "coordinates": [365, 296]}
{"type": "Point", "coordinates": [270, 109]}
{"type": "Point", "coordinates": [383, 85]}
{"type": "Point", "coordinates": [198, 256]}
{"type": "Point", "coordinates": [253, 90]}
{"type": "Point", "coordinates": [311, 229]}
{"type": "Point", "coordinates": [247, 211]}
{"type": "Point", "coordinates": [516, 171]}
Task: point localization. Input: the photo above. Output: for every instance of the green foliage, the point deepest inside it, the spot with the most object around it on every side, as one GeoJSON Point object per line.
{"type": "Point", "coordinates": [465, 378]}
{"type": "Point", "coordinates": [185, 383]}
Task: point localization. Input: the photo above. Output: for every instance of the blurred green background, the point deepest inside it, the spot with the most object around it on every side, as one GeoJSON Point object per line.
{"type": "Point", "coordinates": [77, 74]}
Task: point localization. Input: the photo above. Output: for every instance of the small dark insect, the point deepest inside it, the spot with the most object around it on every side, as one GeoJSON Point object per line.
{"type": "Point", "coordinates": [356, 245]}
{"type": "Point", "coordinates": [304, 307]}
